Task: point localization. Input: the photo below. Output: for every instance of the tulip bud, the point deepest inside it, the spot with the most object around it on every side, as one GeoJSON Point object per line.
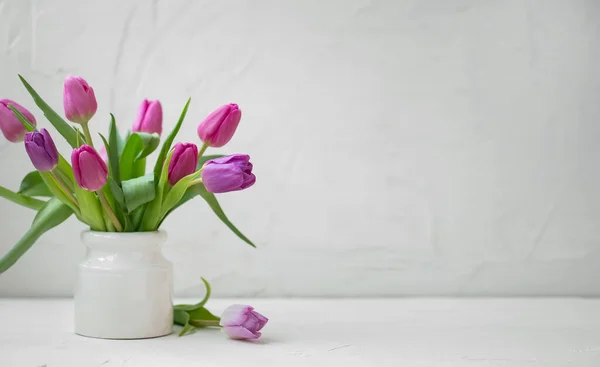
{"type": "Point", "coordinates": [149, 118]}
{"type": "Point", "coordinates": [79, 100]}
{"type": "Point", "coordinates": [217, 128]}
{"type": "Point", "coordinates": [41, 150]}
{"type": "Point", "coordinates": [183, 161]}
{"type": "Point", "coordinates": [242, 322]}
{"type": "Point", "coordinates": [10, 125]}
{"type": "Point", "coordinates": [89, 169]}
{"type": "Point", "coordinates": [229, 173]}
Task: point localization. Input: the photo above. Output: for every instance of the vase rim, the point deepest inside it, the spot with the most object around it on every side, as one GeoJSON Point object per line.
{"type": "Point", "coordinates": [123, 240]}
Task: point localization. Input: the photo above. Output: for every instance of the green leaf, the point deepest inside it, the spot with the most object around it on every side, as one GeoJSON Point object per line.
{"type": "Point", "coordinates": [91, 210]}
{"type": "Point", "coordinates": [211, 199]}
{"type": "Point", "coordinates": [137, 216]}
{"type": "Point", "coordinates": [58, 191]}
{"type": "Point", "coordinates": [26, 123]}
{"type": "Point", "coordinates": [182, 318]}
{"type": "Point", "coordinates": [164, 151]}
{"type": "Point", "coordinates": [65, 168]}
{"type": "Point", "coordinates": [150, 142]}
{"type": "Point", "coordinates": [152, 215]}
{"type": "Point", "coordinates": [50, 215]}
{"type": "Point", "coordinates": [58, 122]}
{"type": "Point", "coordinates": [186, 330]}
{"type": "Point", "coordinates": [21, 199]}
{"type": "Point", "coordinates": [33, 185]}
{"type": "Point", "coordinates": [112, 150]}
{"type": "Point", "coordinates": [137, 147]}
{"type": "Point", "coordinates": [117, 192]}
{"type": "Point", "coordinates": [176, 193]}
{"type": "Point", "coordinates": [138, 191]}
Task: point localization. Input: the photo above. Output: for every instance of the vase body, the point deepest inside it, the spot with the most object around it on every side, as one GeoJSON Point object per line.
{"type": "Point", "coordinates": [124, 286]}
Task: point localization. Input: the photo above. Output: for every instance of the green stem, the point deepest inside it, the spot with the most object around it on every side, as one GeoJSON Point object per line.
{"type": "Point", "coordinates": [204, 323]}
{"type": "Point", "coordinates": [109, 211]}
{"type": "Point", "coordinates": [88, 136]}
{"type": "Point", "coordinates": [65, 180]}
{"type": "Point", "coordinates": [64, 187]}
{"type": "Point", "coordinates": [25, 201]}
{"type": "Point", "coordinates": [202, 150]}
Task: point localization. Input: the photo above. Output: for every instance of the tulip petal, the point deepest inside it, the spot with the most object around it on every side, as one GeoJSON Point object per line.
{"type": "Point", "coordinates": [240, 333]}
{"type": "Point", "coordinates": [137, 125]}
{"type": "Point", "coordinates": [222, 178]}
{"type": "Point", "coordinates": [227, 129]}
{"type": "Point", "coordinates": [262, 320]}
{"type": "Point", "coordinates": [235, 315]}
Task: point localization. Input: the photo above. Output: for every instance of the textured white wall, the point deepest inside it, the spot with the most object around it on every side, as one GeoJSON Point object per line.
{"type": "Point", "coordinates": [401, 147]}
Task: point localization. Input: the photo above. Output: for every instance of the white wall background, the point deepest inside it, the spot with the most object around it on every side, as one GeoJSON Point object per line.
{"type": "Point", "coordinates": [401, 147]}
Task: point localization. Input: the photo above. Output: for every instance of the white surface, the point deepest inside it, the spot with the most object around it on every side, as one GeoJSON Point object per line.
{"type": "Point", "coordinates": [401, 146]}
{"type": "Point", "coordinates": [393, 332]}
{"type": "Point", "coordinates": [124, 274]}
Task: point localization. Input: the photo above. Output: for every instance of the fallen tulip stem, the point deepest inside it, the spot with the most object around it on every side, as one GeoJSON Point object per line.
{"type": "Point", "coordinates": [109, 211]}
{"type": "Point", "coordinates": [204, 323]}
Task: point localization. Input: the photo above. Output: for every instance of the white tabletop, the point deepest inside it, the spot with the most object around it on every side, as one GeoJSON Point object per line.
{"type": "Point", "coordinates": [318, 332]}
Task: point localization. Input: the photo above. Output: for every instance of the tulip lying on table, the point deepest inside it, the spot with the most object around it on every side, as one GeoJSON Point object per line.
{"type": "Point", "coordinates": [238, 321]}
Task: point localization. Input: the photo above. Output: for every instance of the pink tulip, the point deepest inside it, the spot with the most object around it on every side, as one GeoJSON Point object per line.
{"type": "Point", "coordinates": [89, 169]}
{"type": "Point", "coordinates": [10, 125]}
{"type": "Point", "coordinates": [79, 100]}
{"type": "Point", "coordinates": [242, 322]}
{"type": "Point", "coordinates": [183, 161]}
{"type": "Point", "coordinates": [217, 128]}
{"type": "Point", "coordinates": [149, 118]}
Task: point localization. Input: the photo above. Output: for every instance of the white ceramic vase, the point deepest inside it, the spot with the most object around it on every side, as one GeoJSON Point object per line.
{"type": "Point", "coordinates": [124, 286]}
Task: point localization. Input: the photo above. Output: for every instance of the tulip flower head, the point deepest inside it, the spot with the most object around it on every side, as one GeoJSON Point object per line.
{"type": "Point", "coordinates": [218, 128]}
{"type": "Point", "coordinates": [11, 127]}
{"type": "Point", "coordinates": [229, 173]}
{"type": "Point", "coordinates": [79, 100]}
{"type": "Point", "coordinates": [89, 169]}
{"type": "Point", "coordinates": [242, 322]}
{"type": "Point", "coordinates": [41, 150]}
{"type": "Point", "coordinates": [183, 161]}
{"type": "Point", "coordinates": [149, 118]}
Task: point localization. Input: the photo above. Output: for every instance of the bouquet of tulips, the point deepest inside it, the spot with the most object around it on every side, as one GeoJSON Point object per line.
{"type": "Point", "coordinates": [106, 185]}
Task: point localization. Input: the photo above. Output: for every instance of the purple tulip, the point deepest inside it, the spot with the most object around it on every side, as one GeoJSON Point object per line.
{"type": "Point", "coordinates": [217, 128]}
{"type": "Point", "coordinates": [41, 150]}
{"type": "Point", "coordinates": [229, 173]}
{"type": "Point", "coordinates": [242, 322]}
{"type": "Point", "coordinates": [149, 118]}
{"type": "Point", "coordinates": [10, 125]}
{"type": "Point", "coordinates": [183, 161]}
{"type": "Point", "coordinates": [79, 100]}
{"type": "Point", "coordinates": [89, 169]}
